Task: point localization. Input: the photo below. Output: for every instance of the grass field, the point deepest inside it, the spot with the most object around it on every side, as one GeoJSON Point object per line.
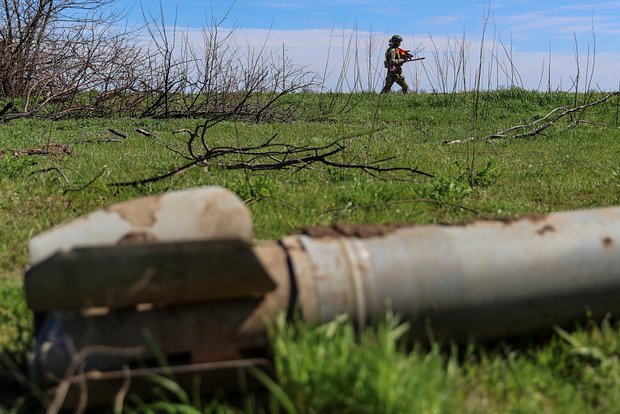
{"type": "Point", "coordinates": [571, 165]}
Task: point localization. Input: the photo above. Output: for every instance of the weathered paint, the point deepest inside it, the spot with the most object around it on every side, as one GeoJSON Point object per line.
{"type": "Point", "coordinates": [486, 279]}
{"type": "Point", "coordinates": [186, 333]}
{"type": "Point", "coordinates": [194, 214]}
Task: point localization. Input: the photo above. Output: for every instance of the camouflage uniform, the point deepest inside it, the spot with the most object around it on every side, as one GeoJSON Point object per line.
{"type": "Point", "coordinates": [394, 64]}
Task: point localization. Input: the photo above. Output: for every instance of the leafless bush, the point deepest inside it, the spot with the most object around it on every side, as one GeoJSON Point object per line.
{"type": "Point", "coordinates": [448, 71]}
{"type": "Point", "coordinates": [214, 76]}
{"type": "Point", "coordinates": [66, 57]}
{"type": "Point", "coordinates": [51, 50]}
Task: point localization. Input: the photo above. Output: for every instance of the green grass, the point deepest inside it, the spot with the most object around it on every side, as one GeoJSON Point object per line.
{"type": "Point", "coordinates": [331, 369]}
{"type": "Point", "coordinates": [567, 167]}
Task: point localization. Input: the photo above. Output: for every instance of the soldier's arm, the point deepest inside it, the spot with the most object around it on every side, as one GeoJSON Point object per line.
{"type": "Point", "coordinates": [395, 57]}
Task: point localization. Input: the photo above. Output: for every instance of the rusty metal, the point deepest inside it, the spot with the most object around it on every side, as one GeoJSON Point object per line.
{"type": "Point", "coordinates": [173, 275]}
{"type": "Point", "coordinates": [484, 280]}
{"type": "Point", "coordinates": [208, 331]}
{"type": "Point", "coordinates": [216, 290]}
{"type": "Point", "coordinates": [189, 336]}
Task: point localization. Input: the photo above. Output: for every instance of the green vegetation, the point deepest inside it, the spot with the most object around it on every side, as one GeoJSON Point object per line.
{"type": "Point", "coordinates": [330, 369]}
{"type": "Point", "coordinates": [570, 165]}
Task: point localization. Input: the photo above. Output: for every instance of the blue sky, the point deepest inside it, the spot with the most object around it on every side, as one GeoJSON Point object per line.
{"type": "Point", "coordinates": [528, 20]}
{"type": "Point", "coordinates": [533, 27]}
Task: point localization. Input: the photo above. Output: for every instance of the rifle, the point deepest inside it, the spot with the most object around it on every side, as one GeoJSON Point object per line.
{"type": "Point", "coordinates": [407, 55]}
{"type": "Point", "coordinates": [402, 54]}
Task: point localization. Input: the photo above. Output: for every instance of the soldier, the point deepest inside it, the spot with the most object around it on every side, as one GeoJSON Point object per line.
{"type": "Point", "coordinates": [394, 65]}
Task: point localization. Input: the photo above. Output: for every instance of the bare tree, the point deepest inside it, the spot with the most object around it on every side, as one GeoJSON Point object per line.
{"type": "Point", "coordinates": [52, 49]}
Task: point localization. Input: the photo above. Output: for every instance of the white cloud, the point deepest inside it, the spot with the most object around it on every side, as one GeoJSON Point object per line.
{"type": "Point", "coordinates": [338, 52]}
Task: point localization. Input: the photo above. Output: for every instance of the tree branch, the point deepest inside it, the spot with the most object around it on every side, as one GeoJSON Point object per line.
{"type": "Point", "coordinates": [539, 125]}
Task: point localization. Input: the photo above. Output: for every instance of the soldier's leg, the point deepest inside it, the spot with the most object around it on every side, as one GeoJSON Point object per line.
{"type": "Point", "coordinates": [403, 84]}
{"type": "Point", "coordinates": [389, 81]}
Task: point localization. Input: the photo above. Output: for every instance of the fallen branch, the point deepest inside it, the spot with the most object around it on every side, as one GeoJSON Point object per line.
{"type": "Point", "coordinates": [156, 177]}
{"type": "Point", "coordinates": [539, 125]}
{"type": "Point", "coordinates": [45, 170]}
{"type": "Point", "coordinates": [10, 370]}
{"type": "Point", "coordinates": [272, 156]}
{"type": "Point", "coordinates": [69, 190]}
{"type": "Point", "coordinates": [11, 117]}
{"type": "Point", "coordinates": [117, 133]}
{"type": "Point", "coordinates": [98, 141]}
{"type": "Point", "coordinates": [75, 371]}
{"type": "Point", "coordinates": [269, 155]}
{"type": "Point", "coordinates": [144, 132]}
{"type": "Point", "coordinates": [6, 108]}
{"type": "Point", "coordinates": [53, 149]}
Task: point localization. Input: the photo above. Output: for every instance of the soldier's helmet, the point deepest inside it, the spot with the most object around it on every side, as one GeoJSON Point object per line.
{"type": "Point", "coordinates": [396, 39]}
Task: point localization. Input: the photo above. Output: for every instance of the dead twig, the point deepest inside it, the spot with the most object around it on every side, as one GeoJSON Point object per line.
{"type": "Point", "coordinates": [540, 125]}
{"type": "Point", "coordinates": [98, 141]}
{"type": "Point", "coordinates": [49, 149]}
{"type": "Point", "coordinates": [74, 371]}
{"type": "Point", "coordinates": [156, 178]}
{"type": "Point", "coordinates": [11, 117]}
{"type": "Point", "coordinates": [119, 398]}
{"type": "Point", "coordinates": [144, 132]}
{"type": "Point", "coordinates": [16, 375]}
{"type": "Point", "coordinates": [273, 156]}
{"type": "Point", "coordinates": [88, 184]}
{"type": "Point", "coordinates": [48, 169]}
{"type": "Point", "coordinates": [117, 133]}
{"type": "Point", "coordinates": [6, 108]}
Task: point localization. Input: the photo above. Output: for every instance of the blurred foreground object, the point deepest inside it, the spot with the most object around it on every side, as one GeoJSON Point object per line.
{"type": "Point", "coordinates": [175, 285]}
